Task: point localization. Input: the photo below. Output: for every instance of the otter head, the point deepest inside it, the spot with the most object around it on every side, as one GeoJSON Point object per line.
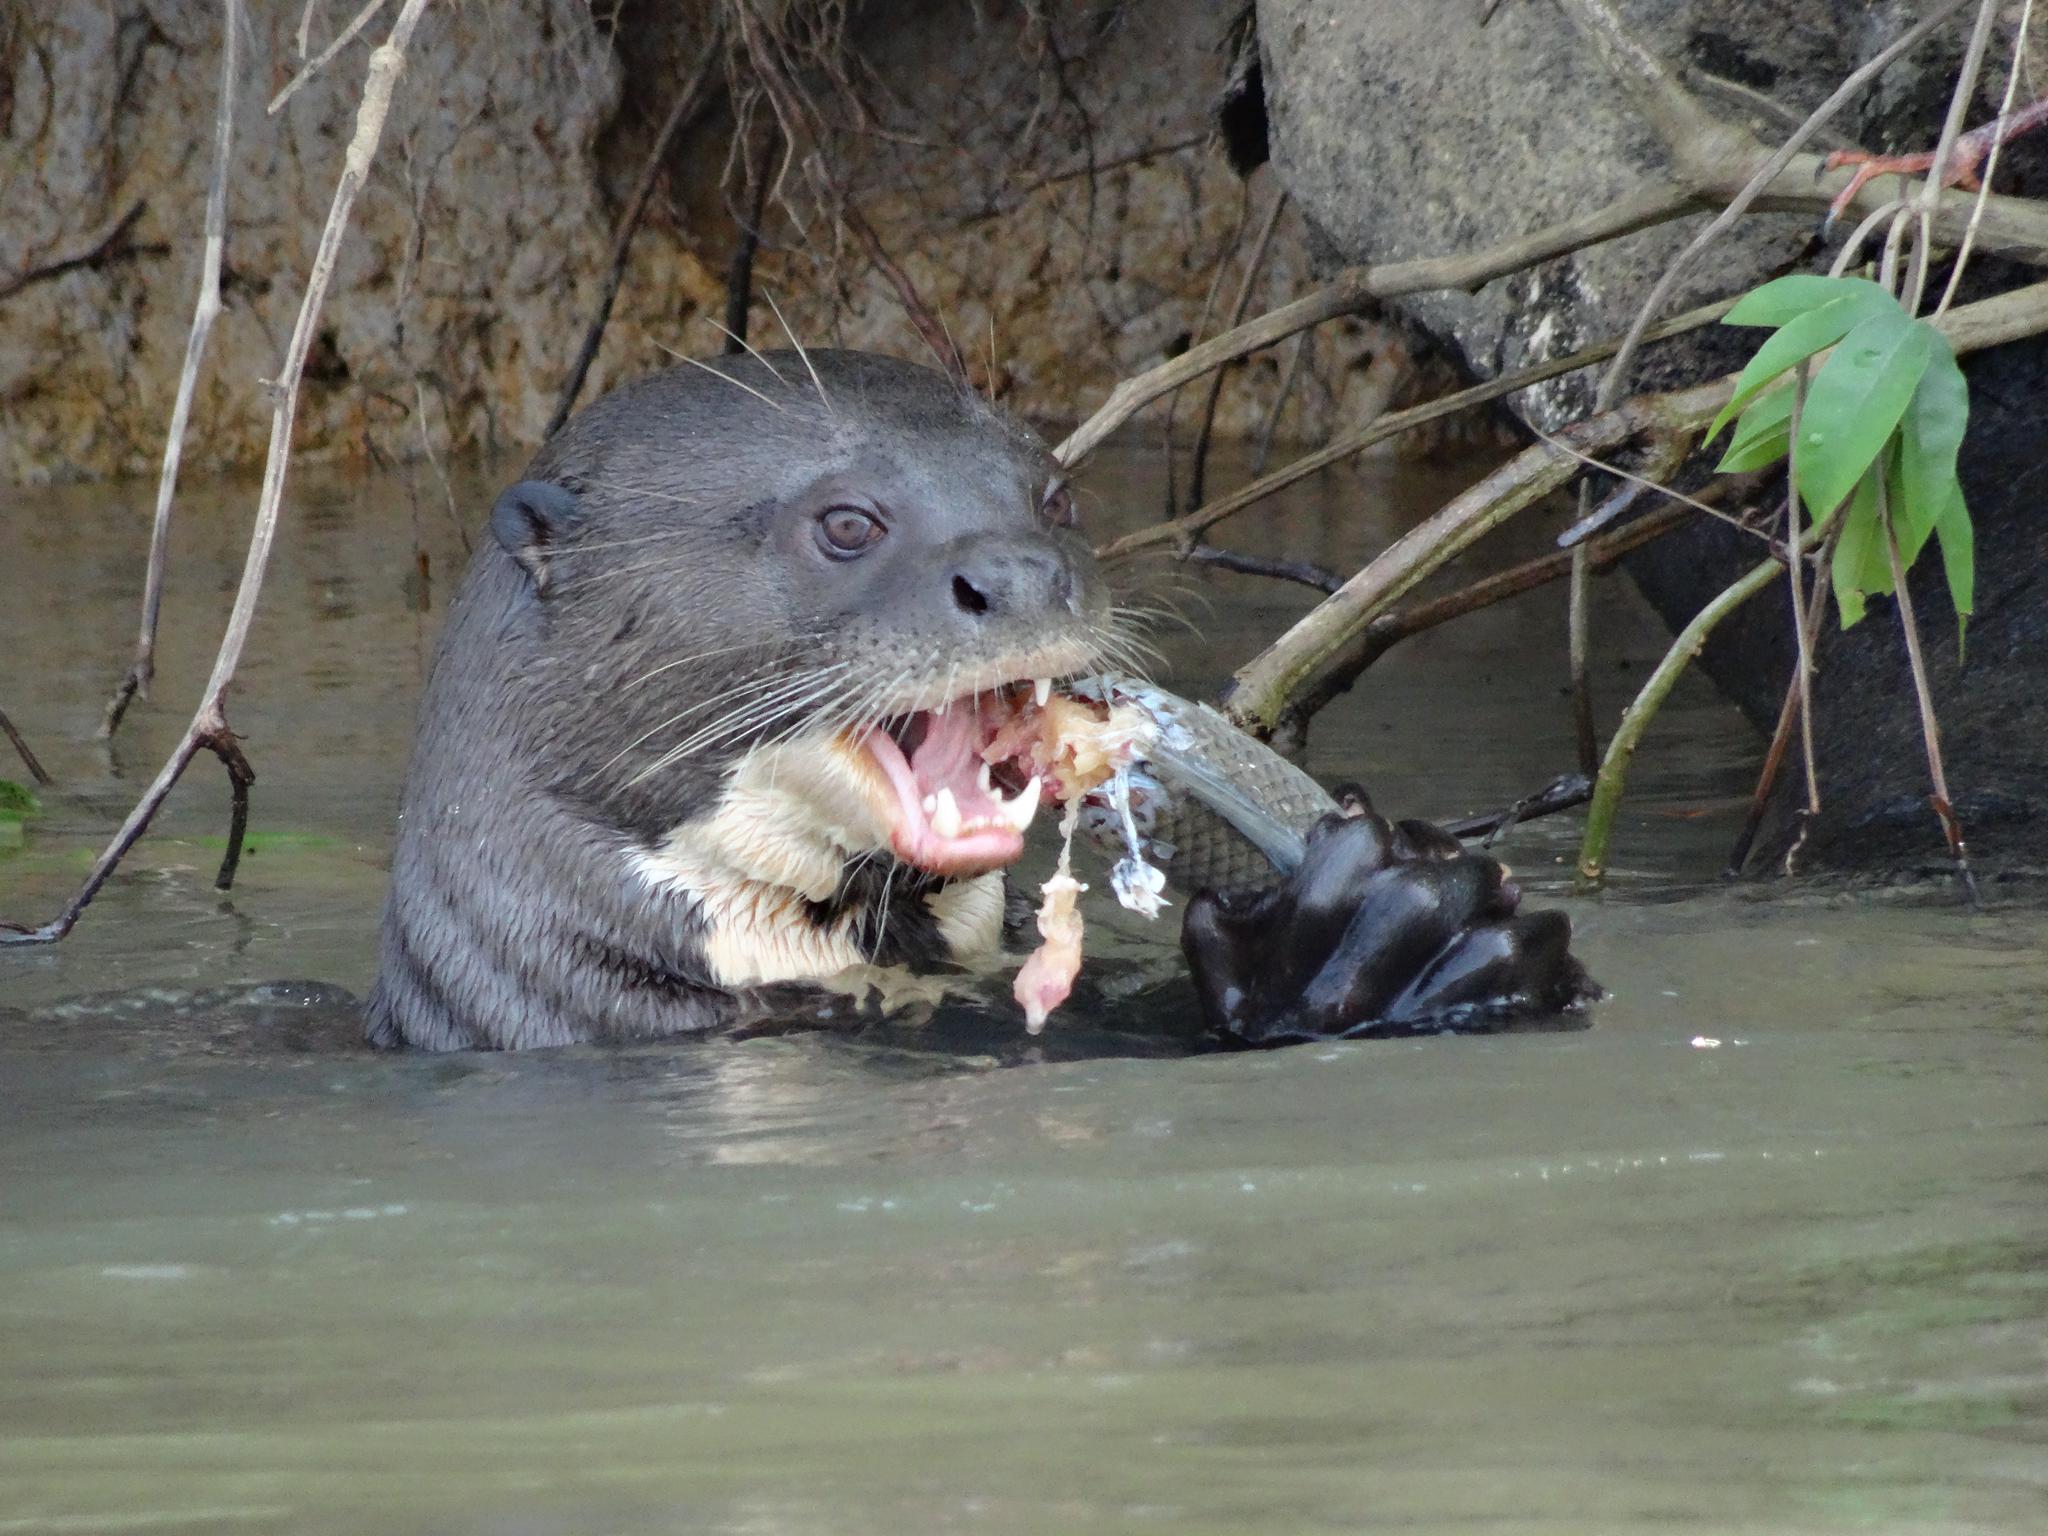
{"type": "Point", "coordinates": [771, 617]}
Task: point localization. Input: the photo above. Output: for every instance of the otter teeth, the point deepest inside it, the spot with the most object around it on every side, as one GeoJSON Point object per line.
{"type": "Point", "coordinates": [945, 814]}
{"type": "Point", "coordinates": [1041, 690]}
{"type": "Point", "coordinates": [1019, 812]}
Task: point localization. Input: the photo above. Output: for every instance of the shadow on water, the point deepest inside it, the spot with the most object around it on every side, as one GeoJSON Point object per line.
{"type": "Point", "coordinates": [1761, 1249]}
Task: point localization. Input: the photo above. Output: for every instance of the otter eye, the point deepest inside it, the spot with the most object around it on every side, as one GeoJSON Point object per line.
{"type": "Point", "coordinates": [844, 532]}
{"type": "Point", "coordinates": [1059, 507]}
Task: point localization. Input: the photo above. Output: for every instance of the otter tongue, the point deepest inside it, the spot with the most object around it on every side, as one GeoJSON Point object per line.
{"type": "Point", "coordinates": [949, 757]}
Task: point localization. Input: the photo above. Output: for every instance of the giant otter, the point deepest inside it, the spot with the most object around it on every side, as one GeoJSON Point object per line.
{"type": "Point", "coordinates": [706, 720]}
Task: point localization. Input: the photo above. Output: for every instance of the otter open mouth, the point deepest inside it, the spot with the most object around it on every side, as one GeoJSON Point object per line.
{"type": "Point", "coordinates": [962, 779]}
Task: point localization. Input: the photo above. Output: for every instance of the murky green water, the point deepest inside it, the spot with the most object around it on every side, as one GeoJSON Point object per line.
{"type": "Point", "coordinates": [1625, 1279]}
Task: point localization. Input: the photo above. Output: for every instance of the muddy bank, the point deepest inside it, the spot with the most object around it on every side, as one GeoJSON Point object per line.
{"type": "Point", "coordinates": [1056, 185]}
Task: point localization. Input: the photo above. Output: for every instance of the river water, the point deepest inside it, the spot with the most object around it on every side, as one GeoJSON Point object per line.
{"type": "Point", "coordinates": [1764, 1249]}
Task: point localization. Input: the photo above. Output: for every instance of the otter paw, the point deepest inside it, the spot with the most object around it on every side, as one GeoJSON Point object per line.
{"type": "Point", "coordinates": [1384, 929]}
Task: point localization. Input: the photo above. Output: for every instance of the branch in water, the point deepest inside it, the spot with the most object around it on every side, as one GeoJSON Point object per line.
{"type": "Point", "coordinates": [209, 728]}
{"type": "Point", "coordinates": [29, 760]}
{"type": "Point", "coordinates": [1390, 629]}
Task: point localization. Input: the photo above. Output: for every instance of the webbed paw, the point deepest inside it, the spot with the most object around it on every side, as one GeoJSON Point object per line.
{"type": "Point", "coordinates": [1384, 929]}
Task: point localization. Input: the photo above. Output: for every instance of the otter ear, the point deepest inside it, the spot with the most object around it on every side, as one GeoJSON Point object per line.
{"type": "Point", "coordinates": [529, 518]}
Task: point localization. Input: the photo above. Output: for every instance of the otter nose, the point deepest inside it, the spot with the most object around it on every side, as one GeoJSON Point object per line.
{"type": "Point", "coordinates": [1002, 580]}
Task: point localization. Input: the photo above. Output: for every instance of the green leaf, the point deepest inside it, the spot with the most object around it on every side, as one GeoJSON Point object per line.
{"type": "Point", "coordinates": [1785, 299]}
{"type": "Point", "coordinates": [1797, 340]}
{"type": "Point", "coordinates": [1854, 403]}
{"type": "Point", "coordinates": [1762, 434]}
{"type": "Point", "coordinates": [1930, 437]}
{"type": "Point", "coordinates": [1758, 452]}
{"type": "Point", "coordinates": [1912, 531]}
{"type": "Point", "coordinates": [17, 801]}
{"type": "Point", "coordinates": [1959, 561]}
{"type": "Point", "coordinates": [1862, 565]}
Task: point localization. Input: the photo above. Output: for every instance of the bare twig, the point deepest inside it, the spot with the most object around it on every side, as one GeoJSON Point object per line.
{"type": "Point", "coordinates": [928, 326]}
{"type": "Point", "coordinates": [205, 310]}
{"type": "Point", "coordinates": [98, 251]}
{"type": "Point", "coordinates": [1960, 97]}
{"type": "Point", "coordinates": [1296, 356]}
{"type": "Point", "coordinates": [680, 110]}
{"type": "Point", "coordinates": [29, 760]}
{"type": "Point", "coordinates": [1244, 212]}
{"type": "Point", "coordinates": [1184, 530]}
{"type": "Point", "coordinates": [1306, 572]}
{"type": "Point", "coordinates": [1560, 794]}
{"type": "Point", "coordinates": [1781, 737]}
{"type": "Point", "coordinates": [1198, 474]}
{"type": "Point", "coordinates": [341, 40]}
{"type": "Point", "coordinates": [2012, 83]}
{"type": "Point", "coordinates": [1356, 287]}
{"type": "Point", "coordinates": [1803, 634]}
{"type": "Point", "coordinates": [739, 277]}
{"type": "Point", "coordinates": [209, 729]}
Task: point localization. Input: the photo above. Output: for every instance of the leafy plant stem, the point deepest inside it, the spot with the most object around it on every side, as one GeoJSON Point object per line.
{"type": "Point", "coordinates": [1607, 787]}
{"type": "Point", "coordinates": [1795, 567]}
{"type": "Point", "coordinates": [1930, 727]}
{"type": "Point", "coordinates": [1781, 736]}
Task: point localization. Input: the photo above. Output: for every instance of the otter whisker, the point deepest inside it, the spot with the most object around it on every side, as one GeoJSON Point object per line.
{"type": "Point", "coordinates": [759, 682]}
{"type": "Point", "coordinates": [770, 691]}
{"type": "Point", "coordinates": [684, 357]}
{"type": "Point", "coordinates": [684, 661]}
{"type": "Point", "coordinates": [809, 367]}
{"type": "Point", "coordinates": [805, 689]}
